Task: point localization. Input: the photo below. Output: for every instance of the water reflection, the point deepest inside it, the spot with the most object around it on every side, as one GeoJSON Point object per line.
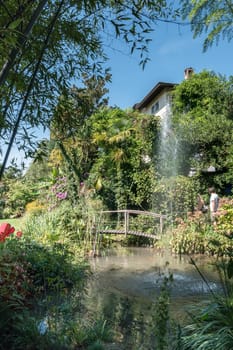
{"type": "Point", "coordinates": [126, 284]}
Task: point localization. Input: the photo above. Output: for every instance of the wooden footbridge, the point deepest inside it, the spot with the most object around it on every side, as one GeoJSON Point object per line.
{"type": "Point", "coordinates": [130, 222]}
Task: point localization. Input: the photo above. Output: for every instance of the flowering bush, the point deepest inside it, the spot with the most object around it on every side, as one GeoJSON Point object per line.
{"type": "Point", "coordinates": [58, 192]}
{"type": "Point", "coordinates": [14, 279]}
{"type": "Point", "coordinates": [59, 188]}
{"type": "Point", "coordinates": [224, 218]}
{"type": "Point", "coordinates": [196, 235]}
{"type": "Point", "coordinates": [6, 230]}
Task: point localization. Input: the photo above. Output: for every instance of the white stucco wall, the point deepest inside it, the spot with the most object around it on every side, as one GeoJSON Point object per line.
{"type": "Point", "coordinates": [164, 105]}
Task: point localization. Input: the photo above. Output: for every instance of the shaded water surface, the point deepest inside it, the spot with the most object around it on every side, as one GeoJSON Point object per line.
{"type": "Point", "coordinates": [126, 284]}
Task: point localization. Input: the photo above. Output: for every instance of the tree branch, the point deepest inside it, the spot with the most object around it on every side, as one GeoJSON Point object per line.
{"type": "Point", "coordinates": [20, 42]}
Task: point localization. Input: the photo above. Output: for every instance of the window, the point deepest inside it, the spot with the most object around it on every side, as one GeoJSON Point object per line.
{"type": "Point", "coordinates": [155, 108]}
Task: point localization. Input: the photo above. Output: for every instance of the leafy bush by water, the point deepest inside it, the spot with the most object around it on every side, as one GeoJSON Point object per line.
{"type": "Point", "coordinates": [197, 236]}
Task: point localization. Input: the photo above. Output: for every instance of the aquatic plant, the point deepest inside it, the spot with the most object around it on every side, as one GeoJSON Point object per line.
{"type": "Point", "coordinates": [164, 331]}
{"type": "Point", "coordinates": [211, 326]}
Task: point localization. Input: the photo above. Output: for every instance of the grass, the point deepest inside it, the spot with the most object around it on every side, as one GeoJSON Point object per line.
{"type": "Point", "coordinates": [17, 223]}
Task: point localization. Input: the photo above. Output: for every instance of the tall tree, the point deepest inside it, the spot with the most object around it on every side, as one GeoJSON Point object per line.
{"type": "Point", "coordinates": [74, 46]}
{"type": "Point", "coordinates": [203, 120]}
{"type": "Point", "coordinates": [68, 126]}
{"type": "Point", "coordinates": [69, 131]}
{"type": "Point", "coordinates": [123, 171]}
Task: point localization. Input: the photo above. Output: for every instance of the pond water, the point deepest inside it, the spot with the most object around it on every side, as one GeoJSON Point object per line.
{"type": "Point", "coordinates": [126, 283]}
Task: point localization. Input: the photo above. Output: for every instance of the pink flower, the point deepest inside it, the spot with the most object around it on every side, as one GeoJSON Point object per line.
{"type": "Point", "coordinates": [61, 195]}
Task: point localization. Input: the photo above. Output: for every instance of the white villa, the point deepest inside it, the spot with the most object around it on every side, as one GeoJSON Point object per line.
{"type": "Point", "coordinates": [158, 100]}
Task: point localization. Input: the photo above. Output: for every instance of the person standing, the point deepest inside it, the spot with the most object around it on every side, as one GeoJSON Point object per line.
{"type": "Point", "coordinates": [214, 203]}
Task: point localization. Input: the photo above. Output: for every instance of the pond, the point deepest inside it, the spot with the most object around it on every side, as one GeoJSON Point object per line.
{"type": "Point", "coordinates": [126, 283]}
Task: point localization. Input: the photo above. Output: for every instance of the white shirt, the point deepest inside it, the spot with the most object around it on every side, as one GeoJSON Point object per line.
{"type": "Point", "coordinates": [214, 199]}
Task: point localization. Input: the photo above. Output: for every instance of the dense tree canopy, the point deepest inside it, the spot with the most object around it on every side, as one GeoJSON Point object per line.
{"type": "Point", "coordinates": [111, 157]}
{"type": "Point", "coordinates": [203, 119]}
{"type": "Point", "coordinates": [123, 171]}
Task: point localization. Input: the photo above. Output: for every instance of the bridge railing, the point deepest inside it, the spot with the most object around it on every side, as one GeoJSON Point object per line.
{"type": "Point", "coordinates": [131, 221]}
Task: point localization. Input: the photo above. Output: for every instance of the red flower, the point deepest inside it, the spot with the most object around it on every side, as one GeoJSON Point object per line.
{"type": "Point", "coordinates": [5, 231]}
{"type": "Point", "coordinates": [19, 234]}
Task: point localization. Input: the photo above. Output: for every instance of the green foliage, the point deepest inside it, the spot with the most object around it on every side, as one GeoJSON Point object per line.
{"type": "Point", "coordinates": [225, 219]}
{"type": "Point", "coordinates": [146, 224]}
{"type": "Point", "coordinates": [21, 331]}
{"type": "Point", "coordinates": [137, 241]}
{"type": "Point", "coordinates": [32, 267]}
{"type": "Point", "coordinates": [197, 236]}
{"type": "Point", "coordinates": [211, 325]}
{"type": "Point", "coordinates": [39, 170]}
{"type": "Point", "coordinates": [161, 316]}
{"type": "Point", "coordinates": [69, 37]}
{"type": "Point", "coordinates": [15, 278]}
{"type": "Point", "coordinates": [18, 194]}
{"type": "Point", "coordinates": [120, 173]}
{"type": "Point", "coordinates": [175, 196]}
{"type": "Point", "coordinates": [203, 120]}
{"type": "Point", "coordinates": [91, 334]}
{"type": "Point", "coordinates": [70, 132]}
{"type": "Point", "coordinates": [164, 330]}
{"type": "Point", "coordinates": [199, 98]}
{"type": "Point", "coordinates": [211, 17]}
{"type": "Point", "coordinates": [76, 104]}
{"type": "Point", "coordinates": [29, 267]}
{"type": "Point", "coordinates": [62, 224]}
{"type": "Point", "coordinates": [51, 268]}
{"type": "Point", "coordinates": [16, 191]}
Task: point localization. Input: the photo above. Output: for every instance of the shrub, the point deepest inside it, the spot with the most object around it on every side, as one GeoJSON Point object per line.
{"type": "Point", "coordinates": [34, 207]}
{"type": "Point", "coordinates": [196, 236]}
{"type": "Point", "coordinates": [17, 196]}
{"type": "Point", "coordinates": [225, 218]}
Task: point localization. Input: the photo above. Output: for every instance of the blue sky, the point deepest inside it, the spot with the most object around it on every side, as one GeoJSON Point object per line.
{"type": "Point", "coordinates": [172, 50]}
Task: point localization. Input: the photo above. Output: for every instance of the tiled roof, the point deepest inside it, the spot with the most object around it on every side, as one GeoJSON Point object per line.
{"type": "Point", "coordinates": [153, 93]}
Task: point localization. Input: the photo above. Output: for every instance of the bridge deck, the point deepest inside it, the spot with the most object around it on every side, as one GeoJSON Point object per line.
{"type": "Point", "coordinates": [134, 233]}
{"type": "Point", "coordinates": [126, 223]}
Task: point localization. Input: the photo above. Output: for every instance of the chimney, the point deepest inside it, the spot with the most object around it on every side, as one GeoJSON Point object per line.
{"type": "Point", "coordinates": [188, 72]}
